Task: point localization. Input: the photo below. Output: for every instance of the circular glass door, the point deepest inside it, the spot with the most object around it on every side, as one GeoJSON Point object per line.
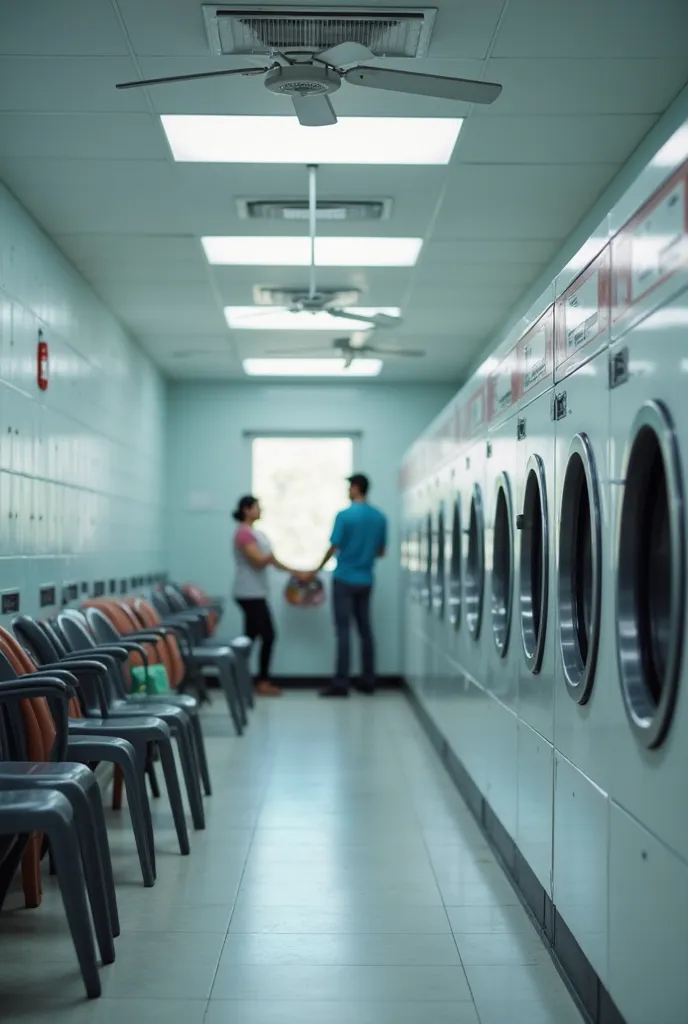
{"type": "Point", "coordinates": [439, 580]}
{"type": "Point", "coordinates": [580, 565]}
{"type": "Point", "coordinates": [502, 565]}
{"type": "Point", "coordinates": [475, 565]}
{"type": "Point", "coordinates": [650, 574]}
{"type": "Point", "coordinates": [534, 575]}
{"type": "Point", "coordinates": [455, 567]}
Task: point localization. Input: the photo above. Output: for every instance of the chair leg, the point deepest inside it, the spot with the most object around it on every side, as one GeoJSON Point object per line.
{"type": "Point", "coordinates": [152, 777]}
{"type": "Point", "coordinates": [70, 879]}
{"type": "Point", "coordinates": [93, 869]}
{"type": "Point", "coordinates": [117, 790]}
{"type": "Point", "coordinates": [103, 845]}
{"type": "Point", "coordinates": [174, 794]}
{"type": "Point", "coordinates": [190, 772]}
{"type": "Point", "coordinates": [201, 754]}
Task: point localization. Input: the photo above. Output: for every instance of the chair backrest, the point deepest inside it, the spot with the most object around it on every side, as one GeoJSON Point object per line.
{"type": "Point", "coordinates": [39, 727]}
{"type": "Point", "coordinates": [35, 641]}
{"type": "Point", "coordinates": [104, 632]}
{"type": "Point", "coordinates": [172, 655]}
{"type": "Point", "coordinates": [74, 632]}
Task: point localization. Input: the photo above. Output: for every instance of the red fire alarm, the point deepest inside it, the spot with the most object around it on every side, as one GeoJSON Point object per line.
{"type": "Point", "coordinates": [42, 363]}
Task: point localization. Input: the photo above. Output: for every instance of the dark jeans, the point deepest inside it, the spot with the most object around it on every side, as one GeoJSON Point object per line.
{"type": "Point", "coordinates": [352, 602]}
{"type": "Point", "coordinates": [258, 625]}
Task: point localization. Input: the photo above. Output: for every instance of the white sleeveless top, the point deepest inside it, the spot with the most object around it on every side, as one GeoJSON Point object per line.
{"type": "Point", "coordinates": [250, 583]}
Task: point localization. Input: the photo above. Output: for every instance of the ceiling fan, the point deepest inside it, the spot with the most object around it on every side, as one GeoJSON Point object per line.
{"type": "Point", "coordinates": [310, 82]}
{"type": "Point", "coordinates": [314, 301]}
{"type": "Point", "coordinates": [352, 348]}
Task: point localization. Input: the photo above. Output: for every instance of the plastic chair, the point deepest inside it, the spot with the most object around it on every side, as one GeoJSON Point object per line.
{"type": "Point", "coordinates": [34, 731]}
{"type": "Point", "coordinates": [96, 723]}
{"type": "Point", "coordinates": [50, 813]}
{"type": "Point", "coordinates": [78, 640]}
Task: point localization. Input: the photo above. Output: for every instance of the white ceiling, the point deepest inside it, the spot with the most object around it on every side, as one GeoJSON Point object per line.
{"type": "Point", "coordinates": [583, 83]}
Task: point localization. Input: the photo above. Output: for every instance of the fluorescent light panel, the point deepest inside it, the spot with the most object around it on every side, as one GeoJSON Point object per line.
{"type": "Point", "coordinates": [279, 318]}
{"type": "Point", "coordinates": [311, 368]}
{"type": "Point", "coordinates": [208, 138]}
{"type": "Point", "coordinates": [281, 251]}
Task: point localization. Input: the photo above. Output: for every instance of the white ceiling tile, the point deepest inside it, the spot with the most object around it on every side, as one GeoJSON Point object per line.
{"type": "Point", "coordinates": [83, 136]}
{"type": "Point", "coordinates": [588, 28]}
{"type": "Point", "coordinates": [59, 84]}
{"type": "Point", "coordinates": [546, 85]}
{"type": "Point", "coordinates": [67, 27]}
{"type": "Point", "coordinates": [516, 201]}
{"type": "Point", "coordinates": [543, 139]}
{"type": "Point", "coordinates": [169, 295]}
{"type": "Point", "coordinates": [475, 274]}
{"type": "Point", "coordinates": [131, 248]}
{"type": "Point", "coordinates": [97, 196]}
{"type": "Point", "coordinates": [493, 252]}
{"type": "Point", "coordinates": [464, 293]}
{"type": "Point", "coordinates": [177, 319]}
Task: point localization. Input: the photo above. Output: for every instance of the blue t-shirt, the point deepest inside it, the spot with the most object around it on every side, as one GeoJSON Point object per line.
{"type": "Point", "coordinates": [359, 534]}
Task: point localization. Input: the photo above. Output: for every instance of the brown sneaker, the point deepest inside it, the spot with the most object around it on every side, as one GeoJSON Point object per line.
{"type": "Point", "coordinates": [267, 689]}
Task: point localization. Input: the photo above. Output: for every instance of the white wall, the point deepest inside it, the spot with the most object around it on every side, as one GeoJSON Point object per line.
{"type": "Point", "coordinates": [209, 463]}
{"type": "Point", "coordinates": [80, 464]}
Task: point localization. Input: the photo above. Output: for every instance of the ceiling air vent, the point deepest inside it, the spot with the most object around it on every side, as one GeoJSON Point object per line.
{"type": "Point", "coordinates": [326, 209]}
{"type": "Point", "coordinates": [387, 31]}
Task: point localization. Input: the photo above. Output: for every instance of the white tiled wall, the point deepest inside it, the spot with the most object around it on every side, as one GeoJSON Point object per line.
{"type": "Point", "coordinates": [81, 463]}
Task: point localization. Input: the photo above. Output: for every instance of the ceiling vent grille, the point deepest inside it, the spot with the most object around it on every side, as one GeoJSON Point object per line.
{"type": "Point", "coordinates": [268, 295]}
{"type": "Point", "coordinates": [385, 31]}
{"type": "Point", "coordinates": [326, 210]}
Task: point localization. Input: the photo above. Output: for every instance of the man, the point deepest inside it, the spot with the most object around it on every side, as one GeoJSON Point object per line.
{"type": "Point", "coordinates": [359, 537]}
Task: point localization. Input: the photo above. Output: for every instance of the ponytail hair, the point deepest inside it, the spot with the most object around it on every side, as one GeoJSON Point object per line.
{"type": "Point", "coordinates": [243, 504]}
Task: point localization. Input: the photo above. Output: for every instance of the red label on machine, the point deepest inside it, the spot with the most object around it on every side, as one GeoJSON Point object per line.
{"type": "Point", "coordinates": [653, 245]}
{"type": "Point", "coordinates": [474, 413]}
{"type": "Point", "coordinates": [534, 354]}
{"type": "Point", "coordinates": [582, 313]}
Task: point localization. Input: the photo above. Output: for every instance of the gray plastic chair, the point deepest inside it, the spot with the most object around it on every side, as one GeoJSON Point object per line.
{"type": "Point", "coordinates": [49, 812]}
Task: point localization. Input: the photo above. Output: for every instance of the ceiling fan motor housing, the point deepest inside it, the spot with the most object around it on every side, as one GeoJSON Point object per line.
{"type": "Point", "coordinates": [302, 80]}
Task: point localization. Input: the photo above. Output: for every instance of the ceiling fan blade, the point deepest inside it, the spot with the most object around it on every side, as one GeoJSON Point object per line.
{"type": "Point", "coordinates": [345, 53]}
{"type": "Point", "coordinates": [464, 89]}
{"type": "Point", "coordinates": [414, 353]}
{"type": "Point", "coordinates": [314, 111]}
{"type": "Point", "coordinates": [342, 314]}
{"type": "Point", "coordinates": [189, 78]}
{"type": "Point", "coordinates": [374, 320]}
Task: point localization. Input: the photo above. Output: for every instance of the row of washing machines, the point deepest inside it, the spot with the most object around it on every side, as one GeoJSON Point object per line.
{"type": "Point", "coordinates": [544, 553]}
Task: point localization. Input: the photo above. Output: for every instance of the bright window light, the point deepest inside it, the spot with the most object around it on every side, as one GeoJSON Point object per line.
{"type": "Point", "coordinates": [311, 368]}
{"type": "Point", "coordinates": [208, 138]}
{"type": "Point", "coordinates": [253, 251]}
{"type": "Point", "coordinates": [266, 318]}
{"type": "Point", "coordinates": [284, 471]}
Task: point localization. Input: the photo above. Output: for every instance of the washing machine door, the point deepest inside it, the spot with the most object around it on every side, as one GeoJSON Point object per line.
{"type": "Point", "coordinates": [438, 599]}
{"type": "Point", "coordinates": [580, 569]}
{"type": "Point", "coordinates": [502, 564]}
{"type": "Point", "coordinates": [474, 575]}
{"type": "Point", "coordinates": [533, 525]}
{"type": "Point", "coordinates": [650, 574]}
{"type": "Point", "coordinates": [454, 560]}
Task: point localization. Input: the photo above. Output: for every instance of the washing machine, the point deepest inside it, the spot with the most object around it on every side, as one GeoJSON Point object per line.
{"type": "Point", "coordinates": [535, 610]}
{"type": "Point", "coordinates": [649, 469]}
{"type": "Point", "coordinates": [583, 664]}
{"type": "Point", "coordinates": [473, 646]}
{"type": "Point", "coordinates": [452, 556]}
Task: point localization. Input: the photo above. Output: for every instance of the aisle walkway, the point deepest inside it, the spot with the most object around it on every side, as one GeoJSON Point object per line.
{"type": "Point", "coordinates": [340, 881]}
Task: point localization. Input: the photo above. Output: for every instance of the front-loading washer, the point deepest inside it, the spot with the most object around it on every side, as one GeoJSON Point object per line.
{"type": "Point", "coordinates": [649, 469]}
{"type": "Point", "coordinates": [580, 411]}
{"type": "Point", "coordinates": [473, 647]}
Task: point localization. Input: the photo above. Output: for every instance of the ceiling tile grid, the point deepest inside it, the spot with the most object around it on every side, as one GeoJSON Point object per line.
{"type": "Point", "coordinates": [582, 85]}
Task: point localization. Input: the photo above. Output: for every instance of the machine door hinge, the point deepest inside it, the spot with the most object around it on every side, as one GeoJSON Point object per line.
{"type": "Point", "coordinates": [468, 462]}
{"type": "Point", "coordinates": [559, 406]}
{"type": "Point", "coordinates": [618, 368]}
{"type": "Point", "coordinates": [489, 449]}
{"type": "Point", "coordinates": [520, 429]}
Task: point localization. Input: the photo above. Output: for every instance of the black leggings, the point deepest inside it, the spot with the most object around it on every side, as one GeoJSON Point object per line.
{"type": "Point", "coordinates": [258, 624]}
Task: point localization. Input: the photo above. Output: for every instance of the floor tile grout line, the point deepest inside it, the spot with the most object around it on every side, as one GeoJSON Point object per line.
{"type": "Point", "coordinates": [241, 877]}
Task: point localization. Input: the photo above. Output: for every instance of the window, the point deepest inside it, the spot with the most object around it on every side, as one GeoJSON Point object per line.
{"type": "Point", "coordinates": [301, 484]}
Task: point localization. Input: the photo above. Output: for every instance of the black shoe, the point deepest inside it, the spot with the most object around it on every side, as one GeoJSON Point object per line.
{"type": "Point", "coordinates": [366, 688]}
{"type": "Point", "coordinates": [334, 691]}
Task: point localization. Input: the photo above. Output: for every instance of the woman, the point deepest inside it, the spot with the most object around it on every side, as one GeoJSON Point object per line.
{"type": "Point", "coordinates": [253, 555]}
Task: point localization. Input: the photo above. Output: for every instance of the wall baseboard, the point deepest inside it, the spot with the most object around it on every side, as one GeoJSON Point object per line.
{"type": "Point", "coordinates": [313, 682]}
{"type": "Point", "coordinates": [580, 976]}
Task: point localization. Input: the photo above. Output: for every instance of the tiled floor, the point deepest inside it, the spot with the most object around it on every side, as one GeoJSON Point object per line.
{"type": "Point", "coordinates": [340, 881]}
